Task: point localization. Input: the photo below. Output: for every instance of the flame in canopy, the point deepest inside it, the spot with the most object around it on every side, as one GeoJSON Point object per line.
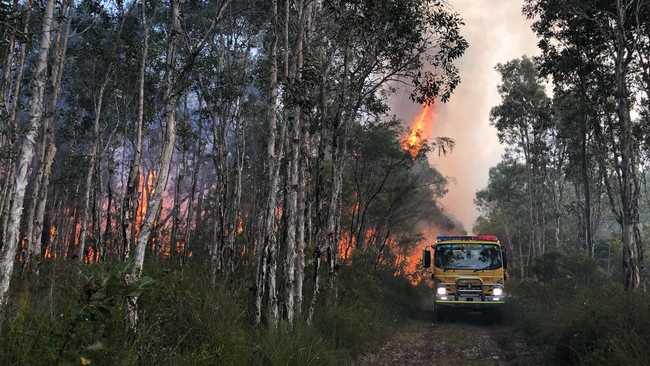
{"type": "Point", "coordinates": [421, 127]}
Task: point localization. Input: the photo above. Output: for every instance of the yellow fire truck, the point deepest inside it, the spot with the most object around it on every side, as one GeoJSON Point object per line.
{"type": "Point", "coordinates": [467, 272]}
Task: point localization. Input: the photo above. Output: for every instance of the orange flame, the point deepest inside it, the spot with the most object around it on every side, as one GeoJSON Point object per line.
{"type": "Point", "coordinates": [146, 189]}
{"type": "Point", "coordinates": [52, 231]}
{"type": "Point", "coordinates": [240, 225]}
{"type": "Point", "coordinates": [348, 242]}
{"type": "Point", "coordinates": [421, 127]}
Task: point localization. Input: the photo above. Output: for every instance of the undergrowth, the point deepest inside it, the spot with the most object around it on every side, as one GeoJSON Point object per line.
{"type": "Point", "coordinates": [581, 316]}
{"type": "Point", "coordinates": [73, 315]}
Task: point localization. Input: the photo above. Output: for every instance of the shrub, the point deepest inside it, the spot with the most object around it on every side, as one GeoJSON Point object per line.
{"type": "Point", "coordinates": [581, 321]}
{"type": "Point", "coordinates": [73, 315]}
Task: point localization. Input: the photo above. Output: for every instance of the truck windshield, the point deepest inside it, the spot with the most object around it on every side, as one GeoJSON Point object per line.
{"type": "Point", "coordinates": [468, 256]}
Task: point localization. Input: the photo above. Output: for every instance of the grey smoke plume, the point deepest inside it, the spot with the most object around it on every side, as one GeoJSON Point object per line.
{"type": "Point", "coordinates": [497, 32]}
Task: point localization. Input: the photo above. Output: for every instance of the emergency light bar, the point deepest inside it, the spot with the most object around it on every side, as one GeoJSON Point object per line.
{"type": "Point", "coordinates": [482, 237]}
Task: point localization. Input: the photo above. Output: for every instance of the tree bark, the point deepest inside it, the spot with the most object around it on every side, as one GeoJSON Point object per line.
{"type": "Point", "coordinates": [34, 234]}
{"type": "Point", "coordinates": [12, 106]}
{"type": "Point", "coordinates": [589, 244]}
{"type": "Point", "coordinates": [130, 200]}
{"type": "Point", "coordinates": [302, 167]}
{"type": "Point", "coordinates": [234, 220]}
{"type": "Point", "coordinates": [91, 170]}
{"type": "Point", "coordinates": [267, 253]}
{"type": "Point", "coordinates": [170, 98]}
{"type": "Point", "coordinates": [629, 186]}
{"type": "Point", "coordinates": [8, 251]}
{"type": "Point", "coordinates": [293, 211]}
{"type": "Point", "coordinates": [320, 235]}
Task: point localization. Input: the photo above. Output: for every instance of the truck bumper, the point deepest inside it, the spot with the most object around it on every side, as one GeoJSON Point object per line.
{"type": "Point", "coordinates": [464, 304]}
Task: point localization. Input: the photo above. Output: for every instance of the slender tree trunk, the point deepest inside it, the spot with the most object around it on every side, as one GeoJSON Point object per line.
{"type": "Point", "coordinates": [12, 106]}
{"type": "Point", "coordinates": [304, 18]}
{"type": "Point", "coordinates": [235, 214]}
{"type": "Point", "coordinates": [629, 187]}
{"type": "Point", "coordinates": [320, 235]}
{"type": "Point", "coordinates": [18, 81]}
{"type": "Point", "coordinates": [176, 209]}
{"type": "Point", "coordinates": [294, 211]}
{"type": "Point", "coordinates": [300, 234]}
{"type": "Point", "coordinates": [170, 98]}
{"type": "Point", "coordinates": [91, 170]}
{"type": "Point", "coordinates": [8, 251]}
{"type": "Point", "coordinates": [6, 203]}
{"type": "Point", "coordinates": [221, 193]}
{"type": "Point", "coordinates": [190, 205]}
{"type": "Point", "coordinates": [268, 249]}
{"type": "Point", "coordinates": [5, 82]}
{"type": "Point", "coordinates": [35, 235]}
{"type": "Point", "coordinates": [589, 245]}
{"type": "Point", "coordinates": [339, 148]}
{"type": "Point", "coordinates": [36, 186]}
{"type": "Point", "coordinates": [130, 200]}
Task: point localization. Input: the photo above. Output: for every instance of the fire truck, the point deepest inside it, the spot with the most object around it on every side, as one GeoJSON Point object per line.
{"type": "Point", "coordinates": [468, 272]}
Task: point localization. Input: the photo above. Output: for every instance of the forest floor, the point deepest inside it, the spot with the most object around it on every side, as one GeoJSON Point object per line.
{"type": "Point", "coordinates": [461, 339]}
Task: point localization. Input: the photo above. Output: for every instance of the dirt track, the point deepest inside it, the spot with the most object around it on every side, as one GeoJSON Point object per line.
{"type": "Point", "coordinates": [463, 339]}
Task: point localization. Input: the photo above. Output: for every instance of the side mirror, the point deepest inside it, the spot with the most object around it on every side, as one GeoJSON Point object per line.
{"type": "Point", "coordinates": [505, 259]}
{"type": "Point", "coordinates": [426, 258]}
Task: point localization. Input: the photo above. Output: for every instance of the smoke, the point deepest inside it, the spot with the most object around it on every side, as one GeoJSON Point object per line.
{"type": "Point", "coordinates": [497, 32]}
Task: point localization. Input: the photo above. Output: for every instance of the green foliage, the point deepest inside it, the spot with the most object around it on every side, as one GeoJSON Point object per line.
{"type": "Point", "coordinates": [185, 321]}
{"type": "Point", "coordinates": [304, 345]}
{"type": "Point", "coordinates": [68, 316]}
{"type": "Point", "coordinates": [581, 317]}
{"type": "Point", "coordinates": [572, 267]}
{"type": "Point", "coordinates": [85, 316]}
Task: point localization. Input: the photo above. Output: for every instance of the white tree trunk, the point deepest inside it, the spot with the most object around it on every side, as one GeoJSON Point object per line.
{"type": "Point", "coordinates": [170, 98]}
{"type": "Point", "coordinates": [268, 247]}
{"type": "Point", "coordinates": [34, 235]}
{"type": "Point", "coordinates": [8, 251]}
{"type": "Point", "coordinates": [130, 200]}
{"type": "Point", "coordinates": [12, 106]}
{"type": "Point", "coordinates": [295, 209]}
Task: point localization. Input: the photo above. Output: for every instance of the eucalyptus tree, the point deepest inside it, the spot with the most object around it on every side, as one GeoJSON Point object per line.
{"type": "Point", "coordinates": [40, 189]}
{"type": "Point", "coordinates": [593, 48]}
{"type": "Point", "coordinates": [25, 155]}
{"type": "Point", "coordinates": [174, 86]}
{"type": "Point", "coordinates": [369, 46]}
{"type": "Point", "coordinates": [17, 33]}
{"type": "Point", "coordinates": [503, 210]}
{"type": "Point", "coordinates": [523, 121]}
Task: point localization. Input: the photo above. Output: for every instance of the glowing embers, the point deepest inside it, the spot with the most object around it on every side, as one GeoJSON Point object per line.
{"type": "Point", "coordinates": [420, 128]}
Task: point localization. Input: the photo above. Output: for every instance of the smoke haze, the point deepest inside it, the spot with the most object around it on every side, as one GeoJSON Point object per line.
{"type": "Point", "coordinates": [497, 32]}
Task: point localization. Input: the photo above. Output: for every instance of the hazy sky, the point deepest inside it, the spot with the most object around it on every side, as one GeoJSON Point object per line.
{"type": "Point", "coordinates": [497, 32]}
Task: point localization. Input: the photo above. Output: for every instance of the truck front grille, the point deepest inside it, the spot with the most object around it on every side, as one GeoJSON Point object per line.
{"type": "Point", "coordinates": [469, 289]}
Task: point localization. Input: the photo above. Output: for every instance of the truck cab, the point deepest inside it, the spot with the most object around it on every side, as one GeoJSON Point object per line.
{"type": "Point", "coordinates": [467, 272]}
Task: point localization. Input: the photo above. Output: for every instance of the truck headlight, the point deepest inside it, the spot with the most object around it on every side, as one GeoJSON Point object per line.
{"type": "Point", "coordinates": [497, 291]}
{"type": "Point", "coordinates": [441, 291]}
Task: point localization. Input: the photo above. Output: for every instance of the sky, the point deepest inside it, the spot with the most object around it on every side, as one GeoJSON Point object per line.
{"type": "Point", "coordinates": [497, 32]}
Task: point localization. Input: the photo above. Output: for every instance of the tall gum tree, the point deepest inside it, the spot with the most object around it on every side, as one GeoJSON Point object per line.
{"type": "Point", "coordinates": [170, 99]}
{"type": "Point", "coordinates": [173, 90]}
{"type": "Point", "coordinates": [8, 251]}
{"type": "Point", "coordinates": [575, 39]}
